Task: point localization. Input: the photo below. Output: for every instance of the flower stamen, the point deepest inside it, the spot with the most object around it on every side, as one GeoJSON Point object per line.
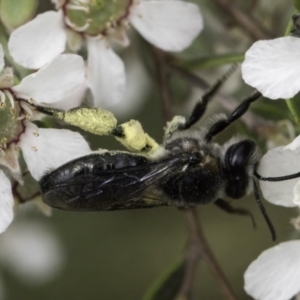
{"type": "Point", "coordinates": [78, 7]}
{"type": "Point", "coordinates": [10, 98]}
{"type": "Point", "coordinates": [22, 117]}
{"type": "Point", "coordinates": [81, 1]}
{"type": "Point", "coordinates": [2, 99]}
{"type": "Point", "coordinates": [76, 28]}
{"type": "Point", "coordinates": [13, 111]}
{"type": "Point", "coordinates": [27, 109]}
{"type": "Point", "coordinates": [3, 143]}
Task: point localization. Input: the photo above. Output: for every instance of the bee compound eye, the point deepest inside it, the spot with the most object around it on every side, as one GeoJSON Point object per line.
{"type": "Point", "coordinates": [238, 154]}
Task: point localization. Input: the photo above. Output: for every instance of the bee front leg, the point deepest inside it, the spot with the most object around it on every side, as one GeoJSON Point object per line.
{"type": "Point", "coordinates": [232, 210]}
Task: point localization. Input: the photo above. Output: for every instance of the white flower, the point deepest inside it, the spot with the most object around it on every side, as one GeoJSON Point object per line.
{"type": "Point", "coordinates": [277, 162]}
{"type": "Point", "coordinates": [272, 67]}
{"type": "Point", "coordinates": [31, 251]}
{"type": "Point", "coordinates": [275, 274]}
{"type": "Point", "coordinates": [168, 24]}
{"type": "Point", "coordinates": [43, 149]}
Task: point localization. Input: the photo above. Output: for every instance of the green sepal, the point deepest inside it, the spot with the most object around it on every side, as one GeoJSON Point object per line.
{"type": "Point", "coordinates": [15, 13]}
{"type": "Point", "coordinates": [167, 286]}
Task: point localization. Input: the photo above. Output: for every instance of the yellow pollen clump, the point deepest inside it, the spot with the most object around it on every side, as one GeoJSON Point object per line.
{"type": "Point", "coordinates": [135, 139]}
{"type": "Point", "coordinates": [95, 120]}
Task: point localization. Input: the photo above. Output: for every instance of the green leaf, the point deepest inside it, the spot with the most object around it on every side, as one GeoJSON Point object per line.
{"type": "Point", "coordinates": [15, 13]}
{"type": "Point", "coordinates": [168, 284]}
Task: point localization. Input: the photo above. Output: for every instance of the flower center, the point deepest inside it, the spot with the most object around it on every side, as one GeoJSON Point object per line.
{"type": "Point", "coordinates": [94, 17]}
{"type": "Point", "coordinates": [12, 117]}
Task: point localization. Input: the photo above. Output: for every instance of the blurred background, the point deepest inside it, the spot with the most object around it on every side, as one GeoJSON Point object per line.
{"type": "Point", "coordinates": [119, 255]}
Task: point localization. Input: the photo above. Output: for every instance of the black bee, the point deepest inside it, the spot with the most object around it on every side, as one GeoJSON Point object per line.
{"type": "Point", "coordinates": [188, 169]}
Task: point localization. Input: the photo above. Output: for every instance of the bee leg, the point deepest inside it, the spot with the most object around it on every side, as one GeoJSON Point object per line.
{"type": "Point", "coordinates": [232, 210]}
{"type": "Point", "coordinates": [236, 114]}
{"type": "Point", "coordinates": [132, 136]}
{"type": "Point", "coordinates": [102, 122]}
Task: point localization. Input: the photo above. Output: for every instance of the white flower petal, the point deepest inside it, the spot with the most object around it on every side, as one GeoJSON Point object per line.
{"type": "Point", "coordinates": [37, 42]}
{"type": "Point", "coordinates": [273, 67]}
{"type": "Point", "coordinates": [6, 202]}
{"type": "Point", "coordinates": [54, 81]}
{"type": "Point", "coordinates": [50, 149]}
{"type": "Point", "coordinates": [72, 99]}
{"type": "Point", "coordinates": [167, 24]}
{"type": "Point", "coordinates": [10, 159]}
{"type": "Point", "coordinates": [138, 85]}
{"type": "Point", "coordinates": [275, 273]}
{"type": "Point", "coordinates": [296, 192]}
{"type": "Point", "coordinates": [294, 145]}
{"type": "Point", "coordinates": [106, 73]}
{"type": "Point", "coordinates": [1, 58]}
{"type": "Point", "coordinates": [279, 162]}
{"type": "Point", "coordinates": [32, 252]}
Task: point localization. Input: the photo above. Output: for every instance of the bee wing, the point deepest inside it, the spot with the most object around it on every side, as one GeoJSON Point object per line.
{"type": "Point", "coordinates": [111, 189]}
{"type": "Point", "coordinates": [146, 201]}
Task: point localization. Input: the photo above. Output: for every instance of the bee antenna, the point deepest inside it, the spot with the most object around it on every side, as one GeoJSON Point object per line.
{"type": "Point", "coordinates": [263, 211]}
{"type": "Point", "coordinates": [280, 178]}
{"type": "Point", "coordinates": [216, 86]}
{"type": "Point", "coordinates": [200, 107]}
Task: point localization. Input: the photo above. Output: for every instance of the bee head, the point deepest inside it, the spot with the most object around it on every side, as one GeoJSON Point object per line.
{"type": "Point", "coordinates": [239, 161]}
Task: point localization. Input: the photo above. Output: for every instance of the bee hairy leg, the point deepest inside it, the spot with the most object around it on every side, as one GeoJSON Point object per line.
{"type": "Point", "coordinates": [232, 210]}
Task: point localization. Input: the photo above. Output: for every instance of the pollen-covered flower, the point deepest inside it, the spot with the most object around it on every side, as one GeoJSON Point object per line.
{"type": "Point", "coordinates": [42, 149]}
{"type": "Point", "coordinates": [168, 24]}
